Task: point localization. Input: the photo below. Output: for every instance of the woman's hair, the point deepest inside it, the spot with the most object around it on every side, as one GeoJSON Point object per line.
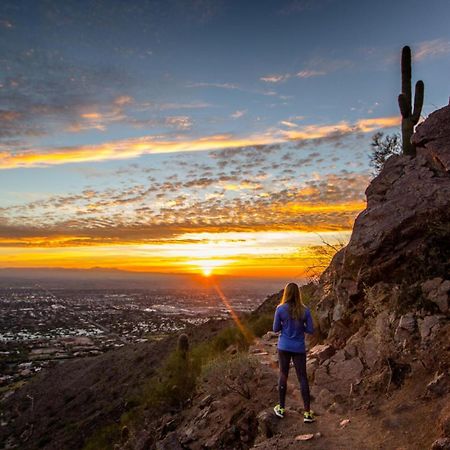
{"type": "Point", "coordinates": [292, 296]}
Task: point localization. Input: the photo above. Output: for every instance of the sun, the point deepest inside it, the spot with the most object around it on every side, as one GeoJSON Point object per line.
{"type": "Point", "coordinates": [208, 266]}
{"type": "Point", "coordinates": [206, 271]}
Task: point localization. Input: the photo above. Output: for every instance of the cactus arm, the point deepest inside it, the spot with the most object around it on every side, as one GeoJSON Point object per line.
{"type": "Point", "coordinates": [418, 101]}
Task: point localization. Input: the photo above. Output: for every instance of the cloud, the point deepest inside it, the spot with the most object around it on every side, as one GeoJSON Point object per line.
{"type": "Point", "coordinates": [238, 114]}
{"type": "Point", "coordinates": [213, 85]}
{"type": "Point", "coordinates": [315, 67]}
{"type": "Point", "coordinates": [278, 210]}
{"type": "Point", "coordinates": [132, 148]}
{"type": "Point", "coordinates": [174, 105]}
{"type": "Point", "coordinates": [124, 149]}
{"type": "Point", "coordinates": [342, 128]}
{"type": "Point", "coordinates": [179, 122]}
{"type": "Point", "coordinates": [319, 66]}
{"type": "Point", "coordinates": [431, 49]}
{"type": "Point", "coordinates": [275, 78]}
{"type": "Point", "coordinates": [46, 93]}
{"type": "Point", "coordinates": [234, 200]}
{"type": "Point", "coordinates": [286, 123]}
{"type": "Point", "coordinates": [123, 100]}
{"type": "Point", "coordinates": [310, 73]}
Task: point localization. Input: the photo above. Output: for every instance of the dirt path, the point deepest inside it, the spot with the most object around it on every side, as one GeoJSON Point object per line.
{"type": "Point", "coordinates": [400, 422]}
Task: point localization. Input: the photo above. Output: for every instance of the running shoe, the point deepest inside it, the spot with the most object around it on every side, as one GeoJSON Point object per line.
{"type": "Point", "coordinates": [279, 411]}
{"type": "Point", "coordinates": [308, 417]}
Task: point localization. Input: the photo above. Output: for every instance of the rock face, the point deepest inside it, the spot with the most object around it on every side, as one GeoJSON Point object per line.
{"type": "Point", "coordinates": [382, 305]}
{"type": "Point", "coordinates": [404, 232]}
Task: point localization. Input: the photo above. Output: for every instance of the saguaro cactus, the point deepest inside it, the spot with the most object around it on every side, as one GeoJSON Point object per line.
{"type": "Point", "coordinates": [183, 344]}
{"type": "Point", "coordinates": [410, 116]}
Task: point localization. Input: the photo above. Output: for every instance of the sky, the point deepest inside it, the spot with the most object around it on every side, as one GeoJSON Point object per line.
{"type": "Point", "coordinates": [195, 136]}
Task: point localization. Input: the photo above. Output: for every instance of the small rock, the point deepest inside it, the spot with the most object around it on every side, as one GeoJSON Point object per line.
{"type": "Point", "coordinates": [325, 398]}
{"type": "Point", "coordinates": [437, 290]}
{"type": "Point", "coordinates": [206, 401]}
{"type": "Point", "coordinates": [439, 384]}
{"type": "Point", "coordinates": [343, 423]}
{"type": "Point", "coordinates": [339, 356]}
{"type": "Point", "coordinates": [344, 373]}
{"type": "Point", "coordinates": [170, 442]}
{"type": "Point", "coordinates": [428, 326]}
{"type": "Point", "coordinates": [370, 351]}
{"type": "Point", "coordinates": [351, 350]}
{"type": "Point", "coordinates": [407, 322]}
{"type": "Point", "coordinates": [304, 437]}
{"type": "Point", "coordinates": [266, 423]}
{"type": "Point", "coordinates": [406, 327]}
{"type": "Point", "coordinates": [270, 335]}
{"type": "Point", "coordinates": [318, 434]}
{"type": "Point", "coordinates": [322, 352]}
{"type": "Point", "coordinates": [431, 285]}
{"type": "Point", "coordinates": [441, 444]}
{"type": "Point", "coordinates": [338, 312]}
{"type": "Point", "coordinates": [311, 365]}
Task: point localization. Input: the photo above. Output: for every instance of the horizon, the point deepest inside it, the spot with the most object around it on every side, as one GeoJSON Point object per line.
{"type": "Point", "coordinates": [199, 138]}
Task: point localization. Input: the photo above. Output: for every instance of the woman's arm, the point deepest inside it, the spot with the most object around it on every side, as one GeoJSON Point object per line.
{"type": "Point", "coordinates": [309, 326]}
{"type": "Point", "coordinates": [277, 321]}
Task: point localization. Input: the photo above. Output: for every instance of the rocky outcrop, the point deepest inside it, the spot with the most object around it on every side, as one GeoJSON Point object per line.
{"type": "Point", "coordinates": [402, 236]}
{"type": "Point", "coordinates": [383, 303]}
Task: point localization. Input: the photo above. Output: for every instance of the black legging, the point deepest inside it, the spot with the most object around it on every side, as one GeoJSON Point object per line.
{"type": "Point", "coordinates": [299, 359]}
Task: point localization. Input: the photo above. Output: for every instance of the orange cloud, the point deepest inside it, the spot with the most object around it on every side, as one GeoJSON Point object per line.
{"type": "Point", "coordinates": [132, 148]}
{"type": "Point", "coordinates": [317, 208]}
{"type": "Point", "coordinates": [344, 127]}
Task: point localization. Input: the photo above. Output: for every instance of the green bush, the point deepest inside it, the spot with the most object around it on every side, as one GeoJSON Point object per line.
{"type": "Point", "coordinates": [261, 325]}
{"type": "Point", "coordinates": [229, 336]}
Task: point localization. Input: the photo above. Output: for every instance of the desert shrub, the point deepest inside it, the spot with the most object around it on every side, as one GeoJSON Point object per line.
{"type": "Point", "coordinates": [262, 324]}
{"type": "Point", "coordinates": [321, 256]}
{"type": "Point", "coordinates": [228, 374]}
{"type": "Point", "coordinates": [229, 336]}
{"type": "Point", "coordinates": [382, 148]}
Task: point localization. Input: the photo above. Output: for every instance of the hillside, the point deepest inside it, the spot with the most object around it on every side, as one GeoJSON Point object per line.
{"type": "Point", "coordinates": [61, 407]}
{"type": "Point", "coordinates": [379, 373]}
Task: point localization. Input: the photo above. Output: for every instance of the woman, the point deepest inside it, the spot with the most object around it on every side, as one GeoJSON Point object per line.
{"type": "Point", "coordinates": [293, 319]}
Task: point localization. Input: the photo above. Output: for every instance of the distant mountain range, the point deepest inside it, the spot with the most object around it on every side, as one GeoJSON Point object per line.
{"type": "Point", "coordinates": [99, 278]}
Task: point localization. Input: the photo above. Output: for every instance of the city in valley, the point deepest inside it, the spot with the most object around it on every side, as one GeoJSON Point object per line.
{"type": "Point", "coordinates": [40, 327]}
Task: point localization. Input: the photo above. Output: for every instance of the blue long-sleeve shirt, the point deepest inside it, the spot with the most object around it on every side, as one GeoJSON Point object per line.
{"type": "Point", "coordinates": [292, 337]}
